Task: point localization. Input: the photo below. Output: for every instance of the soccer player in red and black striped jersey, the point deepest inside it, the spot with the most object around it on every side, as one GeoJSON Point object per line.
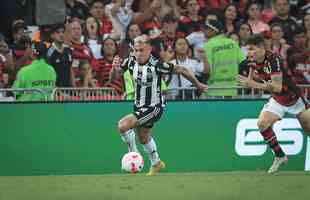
{"type": "Point", "coordinates": [267, 73]}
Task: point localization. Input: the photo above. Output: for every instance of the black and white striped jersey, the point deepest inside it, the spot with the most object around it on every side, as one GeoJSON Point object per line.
{"type": "Point", "coordinates": [147, 80]}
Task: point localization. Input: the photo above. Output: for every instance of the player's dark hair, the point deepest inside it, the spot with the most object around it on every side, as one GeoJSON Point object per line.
{"type": "Point", "coordinates": [256, 39]}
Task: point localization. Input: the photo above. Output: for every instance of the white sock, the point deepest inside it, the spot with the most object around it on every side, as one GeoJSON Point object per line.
{"type": "Point", "coordinates": [130, 139]}
{"type": "Point", "coordinates": [151, 149]}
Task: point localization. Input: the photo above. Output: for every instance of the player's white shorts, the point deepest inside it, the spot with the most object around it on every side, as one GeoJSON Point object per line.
{"type": "Point", "coordinates": [280, 110]}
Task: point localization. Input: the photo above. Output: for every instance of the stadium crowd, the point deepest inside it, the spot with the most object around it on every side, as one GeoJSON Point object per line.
{"type": "Point", "coordinates": [82, 48]}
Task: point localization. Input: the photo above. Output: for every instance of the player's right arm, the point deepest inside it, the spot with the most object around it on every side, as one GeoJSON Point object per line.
{"type": "Point", "coordinates": [274, 85]}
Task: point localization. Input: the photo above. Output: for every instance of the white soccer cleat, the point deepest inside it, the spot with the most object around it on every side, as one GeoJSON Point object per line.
{"type": "Point", "coordinates": [277, 162]}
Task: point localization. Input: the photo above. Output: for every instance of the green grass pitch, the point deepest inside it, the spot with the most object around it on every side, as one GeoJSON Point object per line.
{"type": "Point", "coordinates": [171, 186]}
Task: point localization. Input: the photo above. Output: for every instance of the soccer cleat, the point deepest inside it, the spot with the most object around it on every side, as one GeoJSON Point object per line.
{"type": "Point", "coordinates": [277, 162]}
{"type": "Point", "coordinates": [156, 168]}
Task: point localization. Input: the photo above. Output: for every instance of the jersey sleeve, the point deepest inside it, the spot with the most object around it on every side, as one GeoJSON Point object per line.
{"type": "Point", "coordinates": [276, 64]}
{"type": "Point", "coordinates": [165, 67]}
{"type": "Point", "coordinates": [128, 64]}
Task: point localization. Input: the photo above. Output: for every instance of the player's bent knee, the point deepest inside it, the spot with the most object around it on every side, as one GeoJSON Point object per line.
{"type": "Point", "coordinates": [122, 127]}
{"type": "Point", "coordinates": [262, 124]}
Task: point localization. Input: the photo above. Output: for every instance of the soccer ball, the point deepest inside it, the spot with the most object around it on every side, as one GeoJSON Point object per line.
{"type": "Point", "coordinates": [132, 162]}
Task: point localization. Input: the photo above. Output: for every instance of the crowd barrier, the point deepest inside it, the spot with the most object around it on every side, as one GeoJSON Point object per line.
{"type": "Point", "coordinates": [11, 94]}
{"type": "Point", "coordinates": [84, 94]}
{"type": "Point", "coordinates": [106, 94]}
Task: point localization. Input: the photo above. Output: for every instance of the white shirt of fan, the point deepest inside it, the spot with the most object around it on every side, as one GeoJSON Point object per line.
{"type": "Point", "coordinates": [194, 65]}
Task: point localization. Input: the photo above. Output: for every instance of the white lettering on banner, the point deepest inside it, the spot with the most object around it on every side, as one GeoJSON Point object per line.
{"type": "Point", "coordinates": [249, 141]}
{"type": "Point", "coordinates": [307, 164]}
{"type": "Point", "coordinates": [247, 131]}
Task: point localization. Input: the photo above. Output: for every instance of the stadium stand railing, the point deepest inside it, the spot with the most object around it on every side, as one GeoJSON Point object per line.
{"type": "Point", "coordinates": [85, 94]}
{"type": "Point", "coordinates": [10, 94]}
{"type": "Point", "coordinates": [191, 93]}
{"type": "Point", "coordinates": [107, 94]}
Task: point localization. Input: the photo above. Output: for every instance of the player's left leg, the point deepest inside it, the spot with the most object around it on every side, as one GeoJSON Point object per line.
{"type": "Point", "coordinates": [149, 144]}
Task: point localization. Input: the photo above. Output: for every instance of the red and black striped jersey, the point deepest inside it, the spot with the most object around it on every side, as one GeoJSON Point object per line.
{"type": "Point", "coordinates": [273, 64]}
{"type": "Point", "coordinates": [101, 70]}
{"type": "Point", "coordinates": [80, 52]}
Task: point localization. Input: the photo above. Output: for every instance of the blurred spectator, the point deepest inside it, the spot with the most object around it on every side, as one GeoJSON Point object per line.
{"type": "Point", "coordinates": [103, 67]}
{"type": "Point", "coordinates": [133, 30]}
{"type": "Point", "coordinates": [11, 10]}
{"type": "Point", "coordinates": [21, 45]}
{"type": "Point", "coordinates": [6, 63]}
{"type": "Point", "coordinates": [230, 18]}
{"type": "Point", "coordinates": [191, 22]}
{"type": "Point", "coordinates": [175, 9]}
{"type": "Point", "coordinates": [279, 45]}
{"type": "Point", "coordinates": [120, 14]}
{"type": "Point", "coordinates": [85, 78]}
{"type": "Point", "coordinates": [98, 12]}
{"type": "Point", "coordinates": [306, 25]}
{"type": "Point", "coordinates": [92, 36]}
{"type": "Point", "coordinates": [198, 38]}
{"type": "Point", "coordinates": [245, 31]}
{"type": "Point", "coordinates": [267, 35]}
{"type": "Point", "coordinates": [168, 35]}
{"type": "Point", "coordinates": [169, 31]}
{"type": "Point", "coordinates": [283, 17]}
{"type": "Point", "coordinates": [152, 24]}
{"type": "Point", "coordinates": [217, 4]}
{"type": "Point", "coordinates": [298, 58]}
{"type": "Point", "coordinates": [38, 75]}
{"type": "Point", "coordinates": [200, 70]}
{"type": "Point", "coordinates": [224, 56]}
{"type": "Point", "coordinates": [76, 9]}
{"type": "Point", "coordinates": [268, 12]}
{"type": "Point", "coordinates": [253, 12]}
{"type": "Point", "coordinates": [59, 56]}
{"type": "Point", "coordinates": [80, 51]}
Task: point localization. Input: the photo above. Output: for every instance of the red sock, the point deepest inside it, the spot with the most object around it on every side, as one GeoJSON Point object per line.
{"type": "Point", "coordinates": [271, 139]}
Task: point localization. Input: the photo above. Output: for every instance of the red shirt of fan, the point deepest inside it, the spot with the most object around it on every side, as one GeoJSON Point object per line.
{"type": "Point", "coordinates": [101, 70]}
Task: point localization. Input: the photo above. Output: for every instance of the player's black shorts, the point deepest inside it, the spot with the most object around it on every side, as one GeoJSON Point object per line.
{"type": "Point", "coordinates": [147, 116]}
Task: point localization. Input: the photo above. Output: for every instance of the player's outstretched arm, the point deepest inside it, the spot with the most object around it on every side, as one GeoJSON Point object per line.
{"type": "Point", "coordinates": [274, 86]}
{"type": "Point", "coordinates": [116, 71]}
{"type": "Point", "coordinates": [191, 77]}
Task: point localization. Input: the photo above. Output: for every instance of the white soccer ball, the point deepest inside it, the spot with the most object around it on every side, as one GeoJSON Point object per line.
{"type": "Point", "coordinates": [132, 162]}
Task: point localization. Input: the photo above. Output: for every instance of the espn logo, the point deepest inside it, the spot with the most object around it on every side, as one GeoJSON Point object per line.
{"type": "Point", "coordinates": [249, 141]}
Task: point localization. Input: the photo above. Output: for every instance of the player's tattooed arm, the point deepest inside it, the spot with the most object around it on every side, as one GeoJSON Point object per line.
{"type": "Point", "coordinates": [275, 85]}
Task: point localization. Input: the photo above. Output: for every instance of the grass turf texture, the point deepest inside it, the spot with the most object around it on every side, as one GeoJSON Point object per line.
{"type": "Point", "coordinates": [170, 186]}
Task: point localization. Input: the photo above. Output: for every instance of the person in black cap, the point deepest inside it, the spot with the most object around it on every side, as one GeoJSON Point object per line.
{"type": "Point", "coordinates": [59, 56]}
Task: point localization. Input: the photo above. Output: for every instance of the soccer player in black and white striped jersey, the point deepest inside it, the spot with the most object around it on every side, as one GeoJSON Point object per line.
{"type": "Point", "coordinates": [147, 72]}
